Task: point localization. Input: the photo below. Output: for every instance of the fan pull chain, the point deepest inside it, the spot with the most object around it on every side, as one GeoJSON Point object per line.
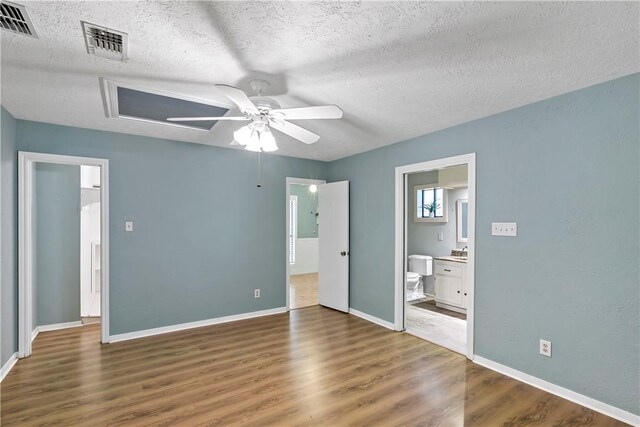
{"type": "Point", "coordinates": [259, 171]}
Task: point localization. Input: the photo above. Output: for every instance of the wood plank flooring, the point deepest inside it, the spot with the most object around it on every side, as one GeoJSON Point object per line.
{"type": "Point", "coordinates": [304, 290]}
{"type": "Point", "coordinates": [313, 366]}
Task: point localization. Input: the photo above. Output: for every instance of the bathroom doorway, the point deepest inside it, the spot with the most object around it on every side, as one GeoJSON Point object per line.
{"type": "Point", "coordinates": [435, 223]}
{"type": "Point", "coordinates": [302, 242]}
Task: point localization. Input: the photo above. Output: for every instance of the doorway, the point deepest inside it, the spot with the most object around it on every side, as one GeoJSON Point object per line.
{"type": "Point", "coordinates": [435, 251]}
{"type": "Point", "coordinates": [90, 265]}
{"type": "Point", "coordinates": [63, 244]}
{"type": "Point", "coordinates": [302, 242]}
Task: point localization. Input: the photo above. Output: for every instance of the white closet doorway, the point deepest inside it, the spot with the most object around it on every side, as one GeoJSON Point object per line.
{"type": "Point", "coordinates": [63, 244]}
{"type": "Point", "coordinates": [90, 266]}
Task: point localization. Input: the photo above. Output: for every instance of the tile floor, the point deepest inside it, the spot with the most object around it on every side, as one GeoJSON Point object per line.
{"type": "Point", "coordinates": [438, 328]}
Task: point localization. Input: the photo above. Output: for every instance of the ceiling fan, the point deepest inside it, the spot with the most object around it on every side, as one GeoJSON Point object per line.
{"type": "Point", "coordinates": [265, 113]}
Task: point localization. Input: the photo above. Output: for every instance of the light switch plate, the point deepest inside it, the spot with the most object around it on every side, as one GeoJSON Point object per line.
{"type": "Point", "coordinates": [128, 226]}
{"type": "Point", "coordinates": [504, 229]}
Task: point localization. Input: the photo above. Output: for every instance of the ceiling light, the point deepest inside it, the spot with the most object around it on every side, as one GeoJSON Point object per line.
{"type": "Point", "coordinates": [253, 145]}
{"type": "Point", "coordinates": [256, 137]}
{"type": "Point", "coordinates": [313, 188]}
{"type": "Point", "coordinates": [243, 135]}
{"type": "Point", "coordinates": [267, 141]}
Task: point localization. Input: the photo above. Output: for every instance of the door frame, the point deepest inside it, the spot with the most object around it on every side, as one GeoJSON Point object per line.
{"type": "Point", "coordinates": [289, 181]}
{"type": "Point", "coordinates": [26, 162]}
{"type": "Point", "coordinates": [401, 238]}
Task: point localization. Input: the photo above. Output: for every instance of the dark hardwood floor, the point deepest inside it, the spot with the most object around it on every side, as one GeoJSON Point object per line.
{"type": "Point", "coordinates": [312, 366]}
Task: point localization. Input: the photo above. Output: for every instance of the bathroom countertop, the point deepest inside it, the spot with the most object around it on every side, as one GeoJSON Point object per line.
{"type": "Point", "coordinates": [462, 260]}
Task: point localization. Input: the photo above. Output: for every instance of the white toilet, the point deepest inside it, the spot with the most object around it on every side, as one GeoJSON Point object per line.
{"type": "Point", "coordinates": [419, 265]}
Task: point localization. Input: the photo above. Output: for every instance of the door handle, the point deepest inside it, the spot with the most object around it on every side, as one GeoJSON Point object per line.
{"type": "Point", "coordinates": [343, 253]}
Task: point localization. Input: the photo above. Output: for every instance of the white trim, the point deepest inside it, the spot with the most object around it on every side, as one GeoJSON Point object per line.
{"type": "Point", "coordinates": [104, 252]}
{"type": "Point", "coordinates": [565, 393]}
{"type": "Point", "coordinates": [26, 161]}
{"type": "Point", "coordinates": [288, 182]}
{"type": "Point", "coordinates": [372, 319]}
{"type": "Point", "coordinates": [400, 237]}
{"type": "Point", "coordinates": [1, 257]}
{"type": "Point", "coordinates": [292, 218]}
{"type": "Point", "coordinates": [13, 359]}
{"type": "Point", "coordinates": [197, 324]}
{"type": "Point", "coordinates": [57, 326]}
{"type": "Point", "coordinates": [34, 333]}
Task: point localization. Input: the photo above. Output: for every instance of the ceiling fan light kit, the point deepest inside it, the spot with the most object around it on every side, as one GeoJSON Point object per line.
{"type": "Point", "coordinates": [265, 113]}
{"type": "Point", "coordinates": [256, 137]}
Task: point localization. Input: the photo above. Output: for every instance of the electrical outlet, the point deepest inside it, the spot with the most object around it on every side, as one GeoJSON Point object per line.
{"type": "Point", "coordinates": [440, 237]}
{"type": "Point", "coordinates": [256, 293]}
{"type": "Point", "coordinates": [128, 226]}
{"type": "Point", "coordinates": [504, 229]}
{"type": "Point", "coordinates": [545, 348]}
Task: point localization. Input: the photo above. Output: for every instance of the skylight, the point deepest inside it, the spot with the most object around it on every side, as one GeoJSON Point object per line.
{"type": "Point", "coordinates": [126, 102]}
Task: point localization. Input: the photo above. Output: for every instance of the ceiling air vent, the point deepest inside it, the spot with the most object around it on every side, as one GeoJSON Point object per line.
{"type": "Point", "coordinates": [15, 18]}
{"type": "Point", "coordinates": [105, 42]}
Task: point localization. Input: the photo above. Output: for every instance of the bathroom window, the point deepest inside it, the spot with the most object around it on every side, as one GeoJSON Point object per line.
{"type": "Point", "coordinates": [431, 204]}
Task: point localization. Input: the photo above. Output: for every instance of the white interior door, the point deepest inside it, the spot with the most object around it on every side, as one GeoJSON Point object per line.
{"type": "Point", "coordinates": [333, 245]}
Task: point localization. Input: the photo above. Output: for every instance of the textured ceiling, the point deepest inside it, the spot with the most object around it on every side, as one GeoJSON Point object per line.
{"type": "Point", "coordinates": [397, 69]}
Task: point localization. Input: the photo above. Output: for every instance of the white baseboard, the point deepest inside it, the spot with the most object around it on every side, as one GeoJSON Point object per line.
{"type": "Point", "coordinates": [372, 319]}
{"type": "Point", "coordinates": [181, 327]}
{"type": "Point", "coordinates": [578, 398]}
{"type": "Point", "coordinates": [34, 333]}
{"type": "Point", "coordinates": [56, 326]}
{"type": "Point", "coordinates": [7, 366]}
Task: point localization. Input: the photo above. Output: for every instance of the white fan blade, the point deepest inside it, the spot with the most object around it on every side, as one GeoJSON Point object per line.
{"type": "Point", "coordinates": [295, 131]}
{"type": "Point", "coordinates": [204, 119]}
{"type": "Point", "coordinates": [302, 113]}
{"type": "Point", "coordinates": [239, 98]}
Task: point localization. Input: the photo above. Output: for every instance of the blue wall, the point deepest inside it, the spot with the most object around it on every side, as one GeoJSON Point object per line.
{"type": "Point", "coordinates": [307, 209]}
{"type": "Point", "coordinates": [566, 170]}
{"type": "Point", "coordinates": [8, 237]}
{"type": "Point", "coordinates": [571, 275]}
{"type": "Point", "coordinates": [57, 243]}
{"type": "Point", "coordinates": [204, 236]}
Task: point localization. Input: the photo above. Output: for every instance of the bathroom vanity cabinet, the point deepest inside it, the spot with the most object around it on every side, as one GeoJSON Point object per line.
{"type": "Point", "coordinates": [451, 285]}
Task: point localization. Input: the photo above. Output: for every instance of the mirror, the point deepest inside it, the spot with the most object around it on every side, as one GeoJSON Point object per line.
{"type": "Point", "coordinates": [462, 214]}
{"type": "Point", "coordinates": [430, 203]}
